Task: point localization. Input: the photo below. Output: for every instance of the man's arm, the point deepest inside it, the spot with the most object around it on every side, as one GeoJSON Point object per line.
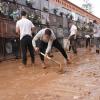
{"type": "Point", "coordinates": [37, 36]}
{"type": "Point", "coordinates": [17, 29]}
{"type": "Point", "coordinates": [75, 32]}
{"type": "Point", "coordinates": [53, 37]}
{"type": "Point", "coordinates": [49, 46]}
{"type": "Point", "coordinates": [33, 29]}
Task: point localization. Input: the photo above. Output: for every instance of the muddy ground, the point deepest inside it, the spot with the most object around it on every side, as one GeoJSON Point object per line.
{"type": "Point", "coordinates": [81, 81]}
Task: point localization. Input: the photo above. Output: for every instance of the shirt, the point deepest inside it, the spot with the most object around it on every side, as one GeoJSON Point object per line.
{"type": "Point", "coordinates": [87, 36]}
{"type": "Point", "coordinates": [25, 27]}
{"type": "Point", "coordinates": [73, 30]}
{"type": "Point", "coordinates": [96, 30]}
{"type": "Point", "coordinates": [40, 35]}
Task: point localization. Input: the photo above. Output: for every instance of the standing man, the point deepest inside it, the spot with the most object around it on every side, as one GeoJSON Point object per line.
{"type": "Point", "coordinates": [47, 39]}
{"type": "Point", "coordinates": [16, 46]}
{"type": "Point", "coordinates": [72, 37]}
{"type": "Point", "coordinates": [24, 28]}
{"type": "Point", "coordinates": [97, 36]}
{"type": "Point", "coordinates": [87, 41]}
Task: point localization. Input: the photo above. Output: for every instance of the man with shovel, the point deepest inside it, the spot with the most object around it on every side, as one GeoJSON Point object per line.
{"type": "Point", "coordinates": [46, 39]}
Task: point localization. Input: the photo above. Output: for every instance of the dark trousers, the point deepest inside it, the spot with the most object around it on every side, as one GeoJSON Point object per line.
{"type": "Point", "coordinates": [26, 43]}
{"type": "Point", "coordinates": [16, 52]}
{"type": "Point", "coordinates": [97, 43]}
{"type": "Point", "coordinates": [73, 44]}
{"type": "Point", "coordinates": [56, 44]}
{"type": "Point", "coordinates": [87, 42]}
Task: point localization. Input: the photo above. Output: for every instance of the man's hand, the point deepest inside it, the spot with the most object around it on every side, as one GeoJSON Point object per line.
{"type": "Point", "coordinates": [46, 55]}
{"type": "Point", "coordinates": [36, 49]}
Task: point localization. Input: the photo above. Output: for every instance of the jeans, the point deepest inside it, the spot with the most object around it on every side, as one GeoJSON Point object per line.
{"type": "Point", "coordinates": [56, 44]}
{"type": "Point", "coordinates": [97, 42]}
{"type": "Point", "coordinates": [26, 43]}
{"type": "Point", "coordinates": [73, 44]}
{"type": "Point", "coordinates": [16, 52]}
{"type": "Point", "coordinates": [87, 42]}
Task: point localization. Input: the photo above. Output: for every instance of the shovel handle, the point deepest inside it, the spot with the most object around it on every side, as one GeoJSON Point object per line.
{"type": "Point", "coordinates": [45, 56]}
{"type": "Point", "coordinates": [50, 58]}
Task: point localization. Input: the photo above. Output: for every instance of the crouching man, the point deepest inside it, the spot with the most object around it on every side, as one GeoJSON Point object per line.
{"type": "Point", "coordinates": [46, 39]}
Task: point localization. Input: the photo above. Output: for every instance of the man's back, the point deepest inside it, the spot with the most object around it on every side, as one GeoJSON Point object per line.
{"type": "Point", "coordinates": [73, 30]}
{"type": "Point", "coordinates": [96, 30]}
{"type": "Point", "coordinates": [25, 27]}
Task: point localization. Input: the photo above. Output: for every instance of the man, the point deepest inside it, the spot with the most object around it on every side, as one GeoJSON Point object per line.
{"type": "Point", "coordinates": [72, 37]}
{"type": "Point", "coordinates": [87, 41]}
{"type": "Point", "coordinates": [24, 27]}
{"type": "Point", "coordinates": [16, 45]}
{"type": "Point", "coordinates": [97, 36]}
{"type": "Point", "coordinates": [47, 39]}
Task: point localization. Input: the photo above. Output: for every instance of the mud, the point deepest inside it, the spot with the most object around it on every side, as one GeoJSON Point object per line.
{"type": "Point", "coordinates": [81, 80]}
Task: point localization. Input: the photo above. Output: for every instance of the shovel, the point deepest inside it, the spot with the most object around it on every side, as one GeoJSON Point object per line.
{"type": "Point", "coordinates": [49, 58]}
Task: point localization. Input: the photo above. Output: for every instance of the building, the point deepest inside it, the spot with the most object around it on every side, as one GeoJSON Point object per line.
{"type": "Point", "coordinates": [68, 7]}
{"type": "Point", "coordinates": [58, 6]}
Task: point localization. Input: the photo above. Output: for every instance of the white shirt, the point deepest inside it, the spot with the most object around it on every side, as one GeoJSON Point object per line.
{"type": "Point", "coordinates": [73, 30]}
{"type": "Point", "coordinates": [96, 30]}
{"type": "Point", "coordinates": [87, 36]}
{"type": "Point", "coordinates": [25, 27]}
{"type": "Point", "coordinates": [40, 34]}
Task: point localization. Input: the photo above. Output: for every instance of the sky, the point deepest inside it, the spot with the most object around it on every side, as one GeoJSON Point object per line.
{"type": "Point", "coordinates": [95, 5]}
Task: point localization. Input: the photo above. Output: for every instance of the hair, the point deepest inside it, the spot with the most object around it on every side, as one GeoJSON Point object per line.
{"type": "Point", "coordinates": [48, 32]}
{"type": "Point", "coordinates": [23, 13]}
{"type": "Point", "coordinates": [94, 21]}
